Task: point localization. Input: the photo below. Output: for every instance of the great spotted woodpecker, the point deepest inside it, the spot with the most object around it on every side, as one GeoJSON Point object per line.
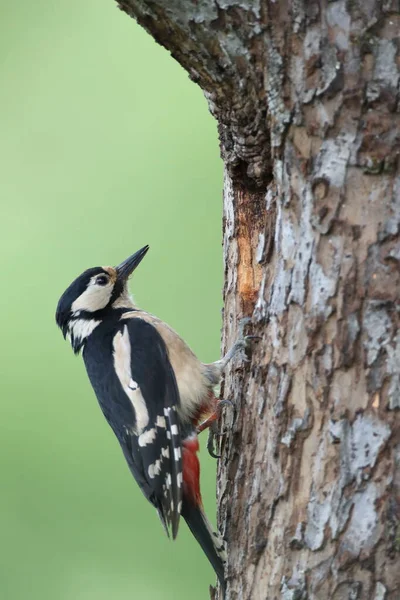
{"type": "Point", "coordinates": [152, 390]}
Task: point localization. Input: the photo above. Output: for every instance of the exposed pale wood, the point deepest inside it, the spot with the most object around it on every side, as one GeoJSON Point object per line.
{"type": "Point", "coordinates": [306, 95]}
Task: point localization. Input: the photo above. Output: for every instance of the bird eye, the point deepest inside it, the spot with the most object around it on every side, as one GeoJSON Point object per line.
{"type": "Point", "coordinates": [102, 280]}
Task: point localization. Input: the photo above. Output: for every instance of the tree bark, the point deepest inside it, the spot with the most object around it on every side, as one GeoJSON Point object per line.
{"type": "Point", "coordinates": [306, 95]}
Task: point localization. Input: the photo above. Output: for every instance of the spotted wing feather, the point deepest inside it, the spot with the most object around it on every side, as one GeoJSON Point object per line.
{"type": "Point", "coordinates": [156, 448]}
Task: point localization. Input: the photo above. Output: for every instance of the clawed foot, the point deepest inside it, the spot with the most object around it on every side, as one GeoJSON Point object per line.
{"type": "Point", "coordinates": [243, 343]}
{"type": "Point", "coordinates": [213, 435]}
{"type": "Point", "coordinates": [211, 423]}
{"type": "Point", "coordinates": [241, 346]}
{"type": "Point", "coordinates": [213, 418]}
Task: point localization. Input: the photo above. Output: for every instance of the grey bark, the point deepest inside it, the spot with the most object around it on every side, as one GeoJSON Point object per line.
{"type": "Point", "coordinates": [306, 95]}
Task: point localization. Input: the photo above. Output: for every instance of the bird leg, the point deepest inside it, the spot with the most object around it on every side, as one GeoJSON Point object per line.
{"type": "Point", "coordinates": [214, 416]}
{"type": "Point", "coordinates": [214, 372]}
{"type": "Point", "coordinates": [241, 344]}
{"type": "Point", "coordinates": [211, 423]}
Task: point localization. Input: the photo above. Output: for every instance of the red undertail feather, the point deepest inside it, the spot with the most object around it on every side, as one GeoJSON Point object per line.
{"type": "Point", "coordinates": [192, 509]}
{"type": "Point", "coordinates": [191, 470]}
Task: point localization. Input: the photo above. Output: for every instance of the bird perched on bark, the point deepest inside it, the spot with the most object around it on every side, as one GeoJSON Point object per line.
{"type": "Point", "coordinates": [152, 390]}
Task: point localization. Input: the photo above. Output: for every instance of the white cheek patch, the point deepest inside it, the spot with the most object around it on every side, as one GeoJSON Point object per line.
{"type": "Point", "coordinates": [122, 365]}
{"type": "Point", "coordinates": [95, 297]}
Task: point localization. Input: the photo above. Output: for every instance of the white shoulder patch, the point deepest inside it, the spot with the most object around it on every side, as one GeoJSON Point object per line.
{"type": "Point", "coordinates": [122, 364]}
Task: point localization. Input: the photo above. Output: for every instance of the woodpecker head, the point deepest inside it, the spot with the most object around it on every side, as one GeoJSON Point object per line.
{"type": "Point", "coordinates": [90, 297]}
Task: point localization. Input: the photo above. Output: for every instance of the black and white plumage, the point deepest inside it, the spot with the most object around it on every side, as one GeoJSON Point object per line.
{"type": "Point", "coordinates": [152, 390]}
{"type": "Point", "coordinates": [138, 394]}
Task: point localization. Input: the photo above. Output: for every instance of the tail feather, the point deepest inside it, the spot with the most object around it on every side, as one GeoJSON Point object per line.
{"type": "Point", "coordinates": [210, 541]}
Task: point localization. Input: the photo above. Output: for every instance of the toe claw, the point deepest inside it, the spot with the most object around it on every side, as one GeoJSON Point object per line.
{"type": "Point", "coordinates": [225, 402]}
{"type": "Point", "coordinates": [212, 453]}
{"type": "Point", "coordinates": [211, 445]}
{"type": "Point", "coordinates": [253, 338]}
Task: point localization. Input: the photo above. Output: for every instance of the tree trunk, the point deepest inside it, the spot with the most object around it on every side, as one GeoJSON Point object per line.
{"type": "Point", "coordinates": [306, 95]}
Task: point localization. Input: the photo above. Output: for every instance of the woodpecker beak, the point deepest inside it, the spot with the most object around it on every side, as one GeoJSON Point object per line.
{"type": "Point", "coordinates": [126, 268]}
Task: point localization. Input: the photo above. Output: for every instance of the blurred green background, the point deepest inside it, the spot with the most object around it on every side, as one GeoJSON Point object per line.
{"type": "Point", "coordinates": [105, 145]}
